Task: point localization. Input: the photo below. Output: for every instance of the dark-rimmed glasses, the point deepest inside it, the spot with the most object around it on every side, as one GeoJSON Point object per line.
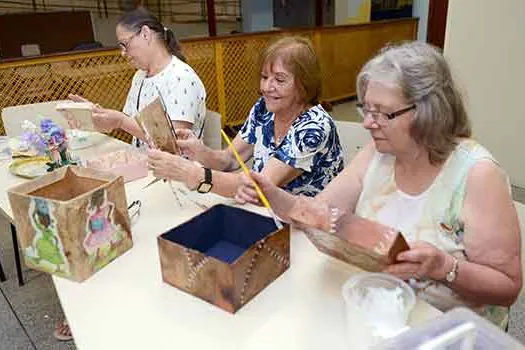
{"type": "Point", "coordinates": [379, 117]}
{"type": "Point", "coordinates": [124, 44]}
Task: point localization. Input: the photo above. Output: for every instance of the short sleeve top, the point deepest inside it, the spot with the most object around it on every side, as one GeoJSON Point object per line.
{"type": "Point", "coordinates": [311, 144]}
{"type": "Point", "coordinates": [180, 88]}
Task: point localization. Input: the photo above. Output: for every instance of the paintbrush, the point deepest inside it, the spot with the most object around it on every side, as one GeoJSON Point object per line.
{"type": "Point", "coordinates": [245, 169]}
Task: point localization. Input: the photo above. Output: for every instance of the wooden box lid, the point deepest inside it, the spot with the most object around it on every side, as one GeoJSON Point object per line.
{"type": "Point", "coordinates": [364, 243]}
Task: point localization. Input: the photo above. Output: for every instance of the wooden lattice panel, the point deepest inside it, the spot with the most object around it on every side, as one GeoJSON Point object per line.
{"type": "Point", "coordinates": [228, 66]}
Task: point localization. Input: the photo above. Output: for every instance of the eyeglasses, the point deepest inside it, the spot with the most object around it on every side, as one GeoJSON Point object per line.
{"type": "Point", "coordinates": [124, 44]}
{"type": "Point", "coordinates": [381, 118]}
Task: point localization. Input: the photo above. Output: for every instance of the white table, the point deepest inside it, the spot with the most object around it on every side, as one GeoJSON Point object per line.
{"type": "Point", "coordinates": [127, 306]}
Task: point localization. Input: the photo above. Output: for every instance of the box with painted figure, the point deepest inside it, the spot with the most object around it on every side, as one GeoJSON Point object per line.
{"type": "Point", "coordinates": [71, 222]}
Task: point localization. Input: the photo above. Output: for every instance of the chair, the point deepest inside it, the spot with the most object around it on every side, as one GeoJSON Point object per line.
{"type": "Point", "coordinates": [520, 208]}
{"type": "Point", "coordinates": [211, 135]}
{"type": "Point", "coordinates": [13, 116]}
{"type": "Point", "coordinates": [352, 137]}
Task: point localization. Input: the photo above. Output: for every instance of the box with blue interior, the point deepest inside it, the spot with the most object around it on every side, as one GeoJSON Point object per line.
{"type": "Point", "coordinates": [225, 255]}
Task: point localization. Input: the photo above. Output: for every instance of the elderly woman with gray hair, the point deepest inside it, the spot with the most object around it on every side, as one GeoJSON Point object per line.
{"type": "Point", "coordinates": [424, 175]}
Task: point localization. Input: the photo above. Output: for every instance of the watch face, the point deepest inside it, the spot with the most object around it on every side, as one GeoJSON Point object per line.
{"type": "Point", "coordinates": [204, 187]}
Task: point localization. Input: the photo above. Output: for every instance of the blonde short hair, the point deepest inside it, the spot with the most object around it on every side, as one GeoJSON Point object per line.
{"type": "Point", "coordinates": [298, 56]}
{"type": "Point", "coordinates": [424, 77]}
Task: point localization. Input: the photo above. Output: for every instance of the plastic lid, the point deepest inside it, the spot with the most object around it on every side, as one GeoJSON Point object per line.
{"type": "Point", "coordinates": [454, 330]}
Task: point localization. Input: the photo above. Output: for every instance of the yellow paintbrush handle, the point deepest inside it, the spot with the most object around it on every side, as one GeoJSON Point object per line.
{"type": "Point", "coordinates": [245, 169]}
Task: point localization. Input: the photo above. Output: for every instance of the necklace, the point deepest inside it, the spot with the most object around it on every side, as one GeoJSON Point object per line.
{"type": "Point", "coordinates": [279, 133]}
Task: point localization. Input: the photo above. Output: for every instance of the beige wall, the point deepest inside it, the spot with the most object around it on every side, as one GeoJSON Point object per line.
{"type": "Point", "coordinates": [352, 11]}
{"type": "Point", "coordinates": [485, 44]}
{"type": "Point", "coordinates": [104, 29]}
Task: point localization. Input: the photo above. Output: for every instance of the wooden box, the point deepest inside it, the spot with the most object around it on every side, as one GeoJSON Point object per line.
{"type": "Point", "coordinates": [72, 221]}
{"type": "Point", "coordinates": [224, 256]}
{"type": "Point", "coordinates": [366, 244]}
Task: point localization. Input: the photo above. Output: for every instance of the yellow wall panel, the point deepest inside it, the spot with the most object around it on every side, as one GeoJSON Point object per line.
{"type": "Point", "coordinates": [227, 65]}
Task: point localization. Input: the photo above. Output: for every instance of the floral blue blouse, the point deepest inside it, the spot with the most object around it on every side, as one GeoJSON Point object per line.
{"type": "Point", "coordinates": [311, 144]}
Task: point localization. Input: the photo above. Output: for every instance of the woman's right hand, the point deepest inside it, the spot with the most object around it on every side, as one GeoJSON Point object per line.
{"type": "Point", "coordinates": [301, 210]}
{"type": "Point", "coordinates": [190, 146]}
{"type": "Point", "coordinates": [280, 201]}
{"type": "Point", "coordinates": [173, 167]}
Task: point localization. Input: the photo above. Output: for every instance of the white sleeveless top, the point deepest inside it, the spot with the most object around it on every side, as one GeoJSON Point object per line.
{"type": "Point", "coordinates": [403, 211]}
{"type": "Point", "coordinates": [433, 216]}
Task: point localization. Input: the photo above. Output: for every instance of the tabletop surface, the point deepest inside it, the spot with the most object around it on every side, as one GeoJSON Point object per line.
{"type": "Point", "coordinates": [127, 306]}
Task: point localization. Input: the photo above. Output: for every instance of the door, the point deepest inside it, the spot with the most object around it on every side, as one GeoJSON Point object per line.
{"type": "Point", "coordinates": [437, 22]}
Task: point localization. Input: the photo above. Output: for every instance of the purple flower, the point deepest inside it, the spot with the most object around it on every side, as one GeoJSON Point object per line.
{"type": "Point", "coordinates": [46, 125]}
{"type": "Point", "coordinates": [57, 134]}
{"type": "Point", "coordinates": [36, 140]}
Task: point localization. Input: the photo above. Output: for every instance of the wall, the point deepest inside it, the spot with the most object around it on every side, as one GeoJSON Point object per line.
{"type": "Point", "coordinates": [257, 15]}
{"type": "Point", "coordinates": [294, 13]}
{"type": "Point", "coordinates": [20, 29]}
{"type": "Point", "coordinates": [420, 10]}
{"type": "Point", "coordinates": [186, 18]}
{"type": "Point", "coordinates": [485, 44]}
{"type": "Point", "coordinates": [352, 11]}
{"type": "Point", "coordinates": [104, 29]}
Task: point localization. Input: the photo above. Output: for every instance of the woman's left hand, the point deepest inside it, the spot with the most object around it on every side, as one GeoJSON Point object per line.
{"type": "Point", "coordinates": [423, 260]}
{"type": "Point", "coordinates": [246, 192]}
{"type": "Point", "coordinates": [169, 166]}
{"type": "Point", "coordinates": [105, 119]}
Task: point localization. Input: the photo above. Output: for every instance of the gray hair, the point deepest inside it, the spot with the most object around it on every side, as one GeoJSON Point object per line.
{"type": "Point", "coordinates": [424, 77]}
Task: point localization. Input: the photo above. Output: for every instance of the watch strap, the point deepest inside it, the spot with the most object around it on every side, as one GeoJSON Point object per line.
{"type": "Point", "coordinates": [205, 185]}
{"type": "Point", "coordinates": [207, 175]}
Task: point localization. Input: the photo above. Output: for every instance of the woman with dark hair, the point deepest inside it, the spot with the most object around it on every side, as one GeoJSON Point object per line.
{"type": "Point", "coordinates": [162, 69]}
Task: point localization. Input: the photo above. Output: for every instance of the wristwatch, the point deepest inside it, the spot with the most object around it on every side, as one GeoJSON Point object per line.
{"type": "Point", "coordinates": [206, 185]}
{"type": "Point", "coordinates": [452, 274]}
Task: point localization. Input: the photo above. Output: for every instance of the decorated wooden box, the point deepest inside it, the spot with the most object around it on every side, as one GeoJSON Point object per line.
{"type": "Point", "coordinates": [364, 243]}
{"type": "Point", "coordinates": [224, 256]}
{"type": "Point", "coordinates": [72, 221]}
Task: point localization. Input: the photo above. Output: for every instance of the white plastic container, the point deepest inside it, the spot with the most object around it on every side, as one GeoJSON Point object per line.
{"type": "Point", "coordinates": [377, 307]}
{"type": "Point", "coordinates": [458, 329]}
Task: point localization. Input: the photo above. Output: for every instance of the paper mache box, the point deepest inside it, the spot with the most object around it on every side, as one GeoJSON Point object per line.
{"type": "Point", "coordinates": [224, 256]}
{"type": "Point", "coordinates": [129, 164]}
{"type": "Point", "coordinates": [364, 243]}
{"type": "Point", "coordinates": [71, 222]}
